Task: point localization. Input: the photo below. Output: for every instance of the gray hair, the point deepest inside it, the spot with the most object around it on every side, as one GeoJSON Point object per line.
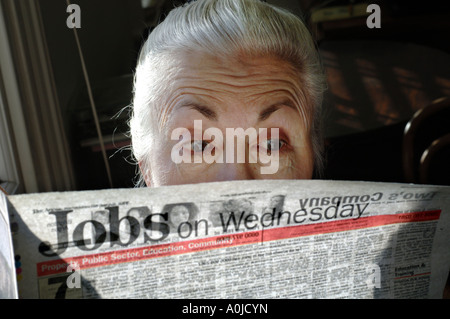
{"type": "Point", "coordinates": [229, 28]}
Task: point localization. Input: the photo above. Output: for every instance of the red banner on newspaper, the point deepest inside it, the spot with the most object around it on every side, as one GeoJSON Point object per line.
{"type": "Point", "coordinates": [228, 240]}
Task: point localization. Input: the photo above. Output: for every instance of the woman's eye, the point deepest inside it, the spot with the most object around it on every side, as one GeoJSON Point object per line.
{"type": "Point", "coordinates": [198, 146]}
{"type": "Point", "coordinates": [272, 145]}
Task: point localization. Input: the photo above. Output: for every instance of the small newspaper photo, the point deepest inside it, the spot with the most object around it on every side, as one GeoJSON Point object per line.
{"type": "Point", "coordinates": [264, 239]}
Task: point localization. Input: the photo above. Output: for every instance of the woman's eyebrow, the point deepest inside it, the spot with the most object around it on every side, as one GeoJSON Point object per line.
{"type": "Point", "coordinates": [268, 111]}
{"type": "Point", "coordinates": [204, 110]}
{"type": "Point", "coordinates": [263, 115]}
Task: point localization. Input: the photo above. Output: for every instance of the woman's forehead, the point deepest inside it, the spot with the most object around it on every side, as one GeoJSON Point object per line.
{"type": "Point", "coordinates": [237, 69]}
{"type": "Point", "coordinates": [212, 82]}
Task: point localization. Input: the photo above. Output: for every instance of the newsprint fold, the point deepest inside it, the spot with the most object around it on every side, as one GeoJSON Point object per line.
{"type": "Point", "coordinates": [241, 239]}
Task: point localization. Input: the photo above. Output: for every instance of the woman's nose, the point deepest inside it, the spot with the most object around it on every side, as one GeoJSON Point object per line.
{"type": "Point", "coordinates": [234, 171]}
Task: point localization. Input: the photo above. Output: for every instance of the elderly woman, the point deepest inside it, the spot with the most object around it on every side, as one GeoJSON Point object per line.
{"type": "Point", "coordinates": [224, 64]}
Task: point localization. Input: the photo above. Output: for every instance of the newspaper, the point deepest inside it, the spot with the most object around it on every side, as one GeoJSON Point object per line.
{"type": "Point", "coordinates": [8, 284]}
{"type": "Point", "coordinates": [240, 239]}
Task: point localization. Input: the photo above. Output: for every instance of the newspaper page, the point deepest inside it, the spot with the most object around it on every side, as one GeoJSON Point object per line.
{"type": "Point", "coordinates": [8, 287]}
{"type": "Point", "coordinates": [240, 239]}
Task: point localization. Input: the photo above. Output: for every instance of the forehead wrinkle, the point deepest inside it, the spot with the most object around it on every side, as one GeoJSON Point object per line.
{"type": "Point", "coordinates": [235, 76]}
{"type": "Point", "coordinates": [251, 89]}
{"type": "Point", "coordinates": [222, 74]}
{"type": "Point", "coordinates": [262, 78]}
{"type": "Point", "coordinates": [194, 95]}
{"type": "Point", "coordinates": [288, 97]}
{"type": "Point", "coordinates": [173, 103]}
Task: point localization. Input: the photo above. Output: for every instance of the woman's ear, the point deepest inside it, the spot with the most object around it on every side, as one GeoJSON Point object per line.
{"type": "Point", "coordinates": [145, 172]}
